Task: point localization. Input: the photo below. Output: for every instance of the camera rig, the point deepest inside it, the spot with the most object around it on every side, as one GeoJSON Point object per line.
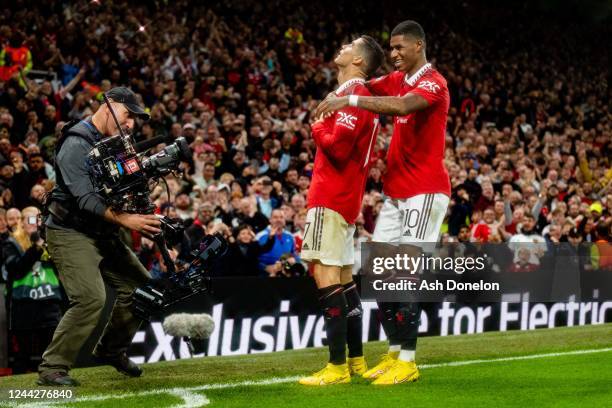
{"type": "Point", "coordinates": [152, 299]}
{"type": "Point", "coordinates": [123, 177]}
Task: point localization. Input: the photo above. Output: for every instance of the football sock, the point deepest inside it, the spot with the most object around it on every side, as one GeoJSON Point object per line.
{"type": "Point", "coordinates": [354, 323]}
{"type": "Point", "coordinates": [334, 307]}
{"type": "Point", "coordinates": [407, 323]}
{"type": "Point", "coordinates": [386, 315]}
{"type": "Point", "coordinates": [395, 348]}
{"type": "Point", "coordinates": [406, 355]}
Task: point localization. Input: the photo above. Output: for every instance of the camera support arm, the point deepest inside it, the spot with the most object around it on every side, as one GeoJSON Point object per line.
{"type": "Point", "coordinates": [160, 240]}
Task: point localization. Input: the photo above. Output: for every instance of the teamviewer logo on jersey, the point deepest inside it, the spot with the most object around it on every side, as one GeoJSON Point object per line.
{"type": "Point", "coordinates": [346, 120]}
{"type": "Point", "coordinates": [429, 86]}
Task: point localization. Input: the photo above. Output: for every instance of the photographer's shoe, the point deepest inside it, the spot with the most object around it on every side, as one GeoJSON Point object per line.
{"type": "Point", "coordinates": [121, 362]}
{"type": "Point", "coordinates": [57, 379]}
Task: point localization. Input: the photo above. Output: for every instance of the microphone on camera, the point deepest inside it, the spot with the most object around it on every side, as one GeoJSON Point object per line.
{"type": "Point", "coordinates": [191, 327]}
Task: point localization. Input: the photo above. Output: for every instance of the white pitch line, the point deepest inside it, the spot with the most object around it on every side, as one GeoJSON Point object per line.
{"type": "Point", "coordinates": [515, 358]}
{"type": "Point", "coordinates": [191, 400]}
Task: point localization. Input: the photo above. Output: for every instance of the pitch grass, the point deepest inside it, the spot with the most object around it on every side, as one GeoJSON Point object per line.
{"type": "Point", "coordinates": [561, 381]}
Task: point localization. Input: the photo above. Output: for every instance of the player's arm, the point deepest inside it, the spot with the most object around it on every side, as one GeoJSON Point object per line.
{"type": "Point", "coordinates": [386, 105]}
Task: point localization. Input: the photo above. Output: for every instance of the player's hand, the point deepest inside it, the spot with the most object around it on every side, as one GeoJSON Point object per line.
{"type": "Point", "coordinates": [143, 223]}
{"type": "Point", "coordinates": [330, 104]}
{"type": "Point", "coordinates": [315, 119]}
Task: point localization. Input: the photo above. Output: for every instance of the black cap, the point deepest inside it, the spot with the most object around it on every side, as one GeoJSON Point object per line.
{"type": "Point", "coordinates": [126, 96]}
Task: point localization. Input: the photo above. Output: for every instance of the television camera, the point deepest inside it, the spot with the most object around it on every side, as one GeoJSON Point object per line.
{"type": "Point", "coordinates": [123, 176]}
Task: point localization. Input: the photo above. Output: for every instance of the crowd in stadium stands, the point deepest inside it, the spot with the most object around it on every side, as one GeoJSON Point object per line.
{"type": "Point", "coordinates": [528, 142]}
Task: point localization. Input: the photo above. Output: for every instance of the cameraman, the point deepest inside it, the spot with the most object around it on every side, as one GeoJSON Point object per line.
{"type": "Point", "coordinates": [82, 235]}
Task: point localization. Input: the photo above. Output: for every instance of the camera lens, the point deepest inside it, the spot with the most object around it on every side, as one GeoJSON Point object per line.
{"type": "Point", "coordinates": [168, 159]}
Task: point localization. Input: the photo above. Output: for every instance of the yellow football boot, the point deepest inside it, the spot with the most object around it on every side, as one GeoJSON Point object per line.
{"type": "Point", "coordinates": [387, 360]}
{"type": "Point", "coordinates": [400, 372]}
{"type": "Point", "coordinates": [331, 374]}
{"type": "Point", "coordinates": [357, 365]}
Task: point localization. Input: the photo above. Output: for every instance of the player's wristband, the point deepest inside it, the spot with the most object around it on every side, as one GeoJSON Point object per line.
{"type": "Point", "coordinates": [353, 100]}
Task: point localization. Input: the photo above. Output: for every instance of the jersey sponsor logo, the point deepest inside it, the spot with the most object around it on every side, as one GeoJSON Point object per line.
{"type": "Point", "coordinates": [429, 86]}
{"type": "Point", "coordinates": [346, 120]}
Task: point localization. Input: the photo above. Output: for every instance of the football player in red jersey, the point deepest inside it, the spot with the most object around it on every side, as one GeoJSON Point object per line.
{"type": "Point", "coordinates": [345, 142]}
{"type": "Point", "coordinates": [416, 184]}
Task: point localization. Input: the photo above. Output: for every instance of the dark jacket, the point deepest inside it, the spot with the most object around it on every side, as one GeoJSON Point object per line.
{"type": "Point", "coordinates": [75, 189]}
{"type": "Point", "coordinates": [32, 312]}
{"type": "Point", "coordinates": [242, 260]}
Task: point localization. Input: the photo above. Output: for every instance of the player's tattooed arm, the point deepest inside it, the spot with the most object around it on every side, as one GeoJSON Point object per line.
{"type": "Point", "coordinates": [386, 105]}
{"type": "Point", "coordinates": [393, 105]}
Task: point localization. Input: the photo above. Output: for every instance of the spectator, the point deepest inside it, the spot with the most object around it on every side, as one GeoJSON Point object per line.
{"type": "Point", "coordinates": [34, 294]}
{"type": "Point", "coordinates": [207, 177]}
{"type": "Point", "coordinates": [299, 225]}
{"type": "Point", "coordinates": [13, 218]}
{"type": "Point", "coordinates": [270, 262]}
{"type": "Point", "coordinates": [460, 210]}
{"type": "Point", "coordinates": [197, 229]}
{"type": "Point", "coordinates": [37, 172]}
{"type": "Point", "coordinates": [184, 207]}
{"type": "Point", "coordinates": [4, 229]}
{"type": "Point", "coordinates": [487, 227]}
{"type": "Point", "coordinates": [243, 254]}
{"type": "Point", "coordinates": [247, 213]}
{"type": "Point", "coordinates": [37, 195]}
{"type": "Point", "coordinates": [15, 60]}
{"type": "Point", "coordinates": [523, 264]}
{"type": "Point", "coordinates": [265, 202]}
{"type": "Point", "coordinates": [528, 239]}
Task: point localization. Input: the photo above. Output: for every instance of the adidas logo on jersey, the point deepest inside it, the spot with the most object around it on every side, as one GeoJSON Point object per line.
{"type": "Point", "coordinates": [305, 247]}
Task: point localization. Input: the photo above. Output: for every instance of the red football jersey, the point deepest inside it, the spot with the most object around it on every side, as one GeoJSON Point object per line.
{"type": "Point", "coordinates": [415, 161]}
{"type": "Point", "coordinates": [345, 144]}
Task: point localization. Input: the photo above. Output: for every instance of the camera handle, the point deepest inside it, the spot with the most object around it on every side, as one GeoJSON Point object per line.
{"type": "Point", "coordinates": [161, 243]}
{"type": "Point", "coordinates": [160, 240]}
